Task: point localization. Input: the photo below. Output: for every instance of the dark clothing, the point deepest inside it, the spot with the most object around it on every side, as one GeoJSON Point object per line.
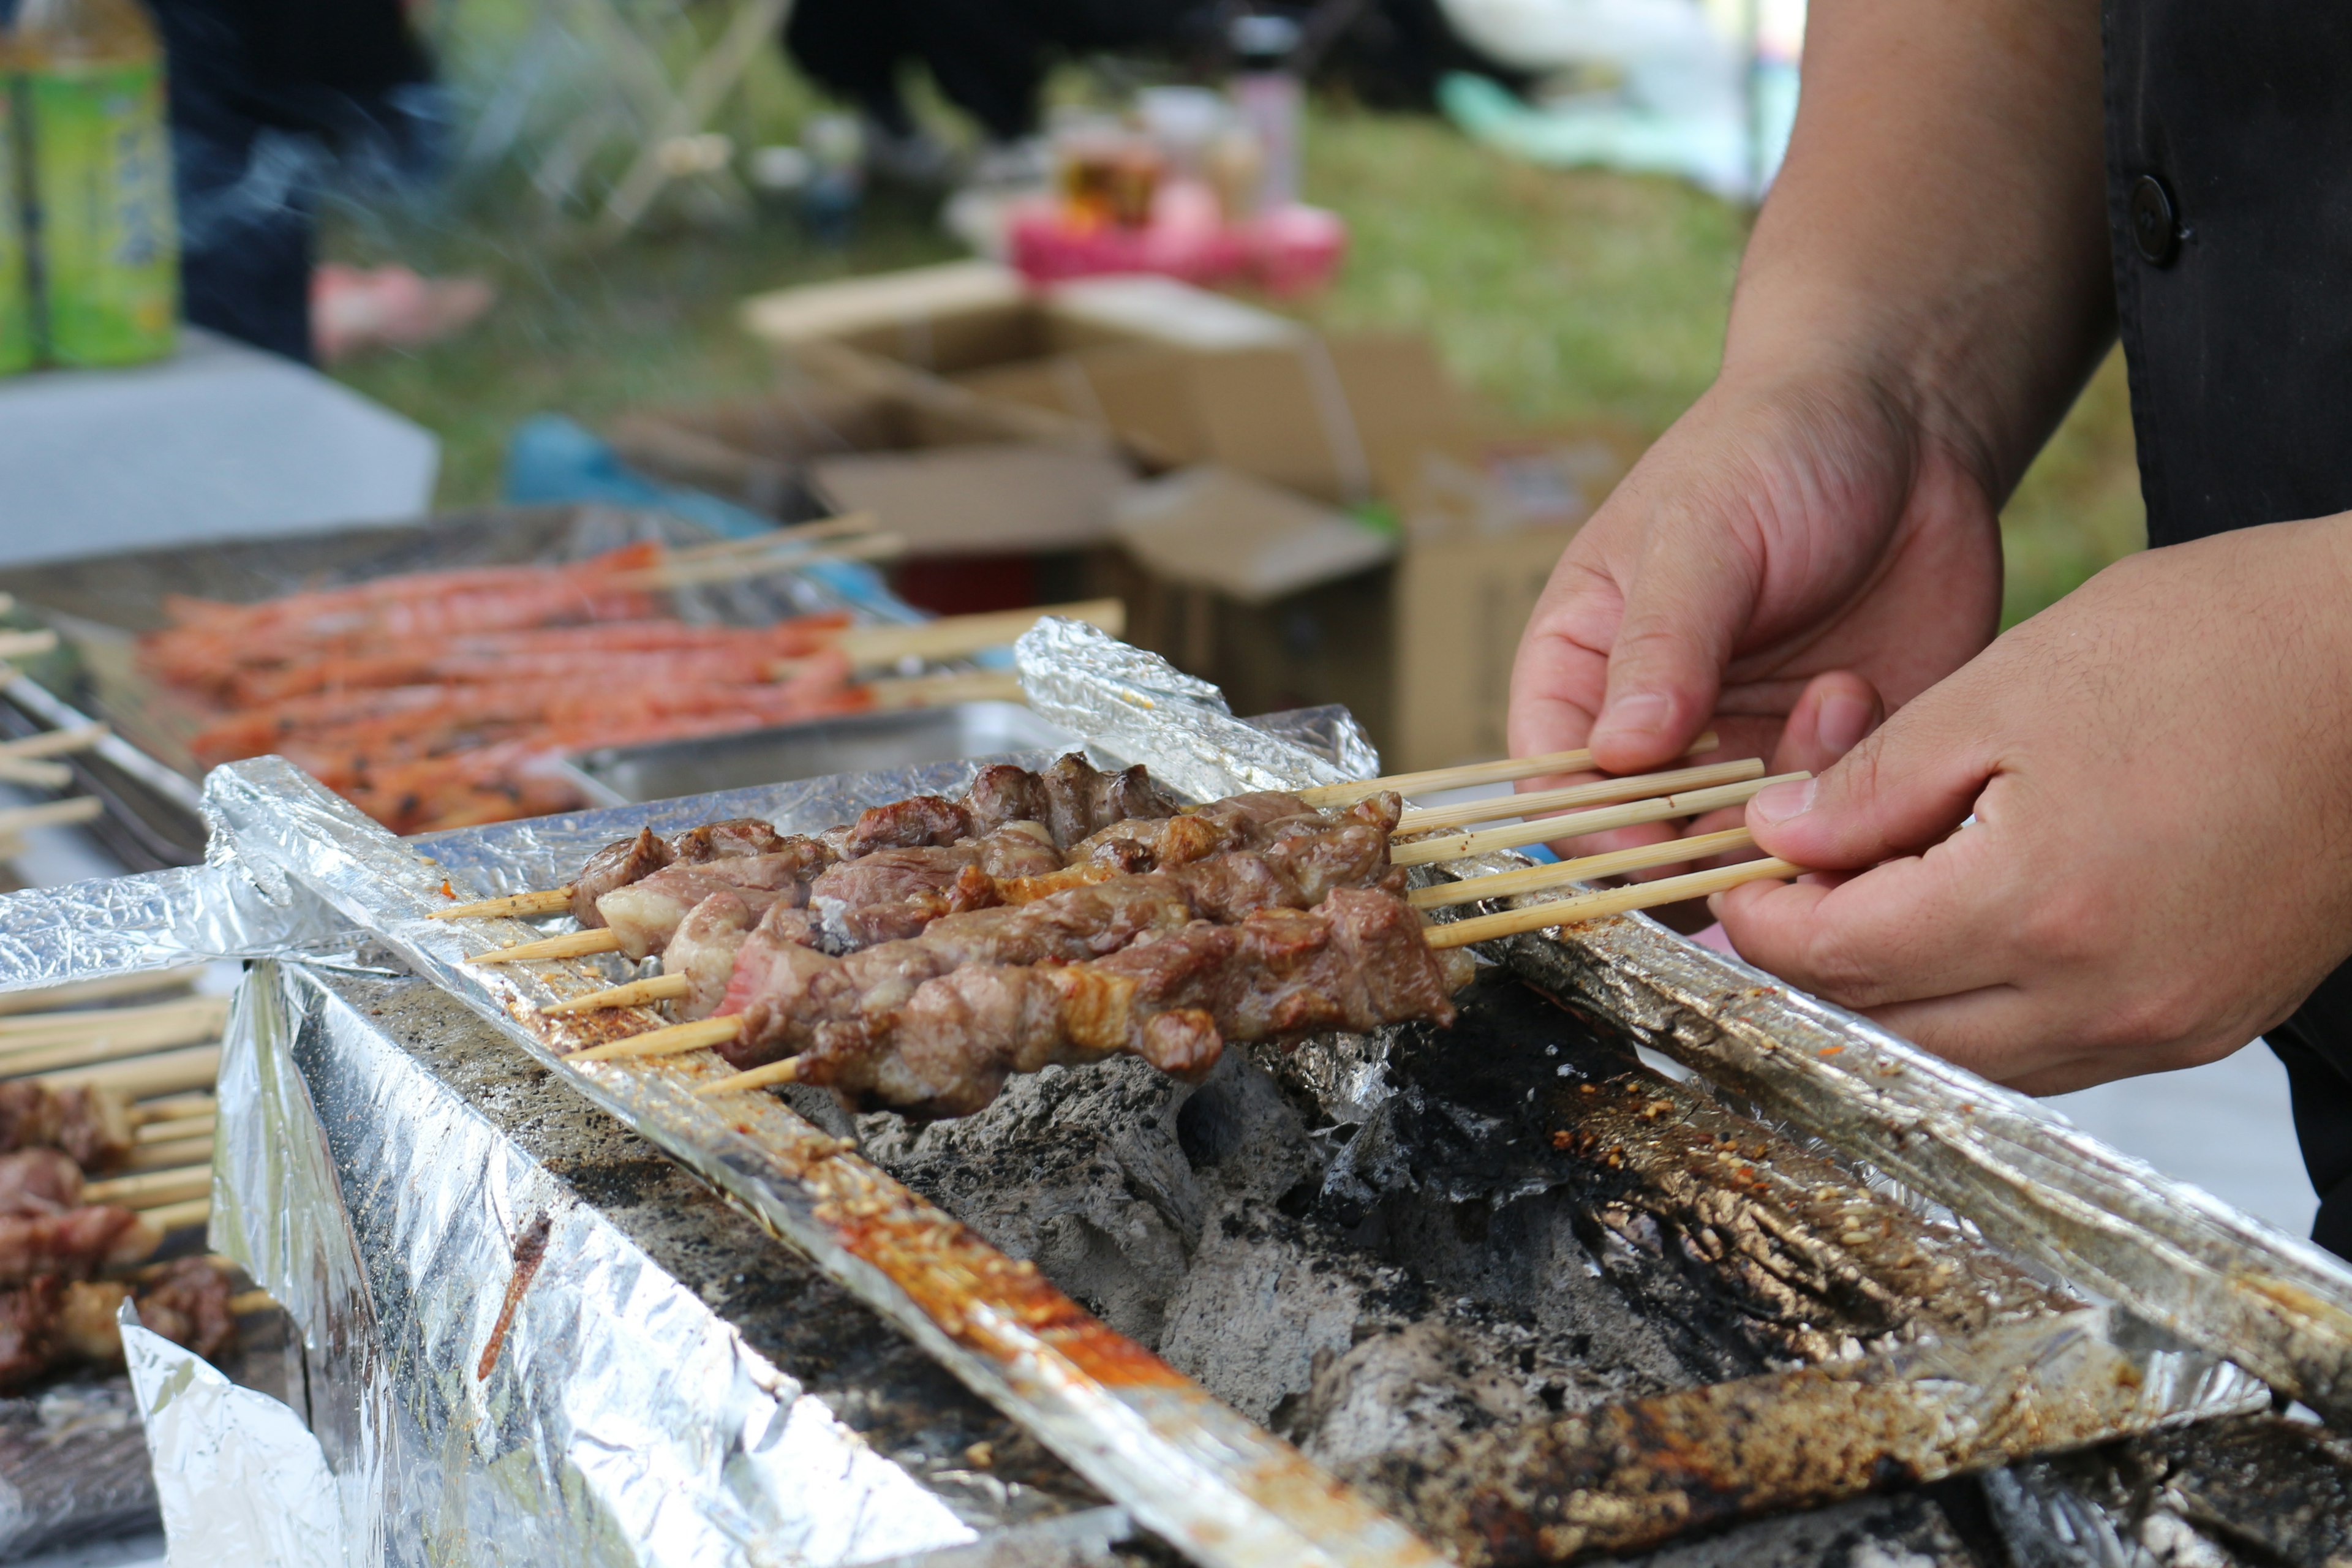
{"type": "Point", "coordinates": [989, 56]}
{"type": "Point", "coordinates": [2229, 203]}
{"type": "Point", "coordinates": [269, 98]}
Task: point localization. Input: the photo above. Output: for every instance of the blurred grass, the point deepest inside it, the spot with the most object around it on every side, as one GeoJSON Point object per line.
{"type": "Point", "coordinates": [1553, 295]}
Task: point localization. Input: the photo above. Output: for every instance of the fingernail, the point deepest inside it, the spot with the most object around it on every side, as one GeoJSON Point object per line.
{"type": "Point", "coordinates": [1842, 722]}
{"type": "Point", "coordinates": [1783, 800]}
{"type": "Point", "coordinates": [1643, 713]}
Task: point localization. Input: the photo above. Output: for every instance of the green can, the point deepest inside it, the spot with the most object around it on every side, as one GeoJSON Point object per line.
{"type": "Point", "coordinates": [16, 265]}
{"type": "Point", "coordinates": [102, 171]}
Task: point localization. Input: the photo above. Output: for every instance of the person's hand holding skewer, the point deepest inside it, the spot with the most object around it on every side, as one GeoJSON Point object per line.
{"type": "Point", "coordinates": [2161, 867]}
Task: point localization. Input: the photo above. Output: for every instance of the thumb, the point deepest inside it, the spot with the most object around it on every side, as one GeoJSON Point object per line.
{"type": "Point", "coordinates": [1685, 611]}
{"type": "Point", "coordinates": [1900, 790]}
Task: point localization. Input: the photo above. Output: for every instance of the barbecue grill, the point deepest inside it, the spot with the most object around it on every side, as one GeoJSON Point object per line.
{"type": "Point", "coordinates": [1510, 1292]}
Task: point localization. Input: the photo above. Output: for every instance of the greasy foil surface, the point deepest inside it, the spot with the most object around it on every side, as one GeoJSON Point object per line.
{"type": "Point", "coordinates": [1224, 1490]}
{"type": "Point", "coordinates": [2036, 1185]}
{"type": "Point", "coordinates": [163, 919]}
{"type": "Point", "coordinates": [497, 1370]}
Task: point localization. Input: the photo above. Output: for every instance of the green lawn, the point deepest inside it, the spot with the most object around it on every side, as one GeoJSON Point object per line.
{"type": "Point", "coordinates": [1554, 295]}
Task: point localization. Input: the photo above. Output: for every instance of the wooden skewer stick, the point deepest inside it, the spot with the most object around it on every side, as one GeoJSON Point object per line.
{"type": "Point", "coordinates": [148, 1188]}
{"type": "Point", "coordinates": [677, 1040]}
{"type": "Point", "coordinates": [1613, 902]}
{"type": "Point", "coordinates": [54, 743]}
{"type": "Point", "coordinates": [48, 997]}
{"type": "Point", "coordinates": [952, 637]}
{"type": "Point", "coordinates": [1604, 791]}
{"type": "Point", "coordinates": [33, 772]}
{"type": "Point", "coordinates": [796, 534]}
{"type": "Point", "coordinates": [157, 1023]}
{"type": "Point", "coordinates": [166, 1072]}
{"type": "Point", "coordinates": [566, 945]}
{"type": "Point", "coordinates": [1469, 773]}
{"type": "Point", "coordinates": [736, 569]}
{"type": "Point", "coordinates": [939, 691]}
{"type": "Point", "coordinates": [173, 1129]}
{"type": "Point", "coordinates": [162, 1156]}
{"type": "Point", "coordinates": [546, 901]}
{"type": "Point", "coordinates": [52, 813]}
{"type": "Point", "coordinates": [1577, 824]}
{"type": "Point", "coordinates": [1538, 879]}
{"type": "Point", "coordinates": [169, 1217]}
{"type": "Point", "coordinates": [25, 645]}
{"type": "Point", "coordinates": [656, 988]}
{"type": "Point", "coordinates": [175, 1108]}
{"type": "Point", "coordinates": [784, 1071]}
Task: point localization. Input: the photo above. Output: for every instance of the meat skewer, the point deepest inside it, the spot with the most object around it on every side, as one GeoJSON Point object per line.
{"type": "Point", "coordinates": [50, 1322]}
{"type": "Point", "coordinates": [1172, 997]}
{"type": "Point", "coordinates": [1296, 863]}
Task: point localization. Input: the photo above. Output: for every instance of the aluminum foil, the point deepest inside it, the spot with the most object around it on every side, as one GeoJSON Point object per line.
{"type": "Point", "coordinates": [164, 920]}
{"type": "Point", "coordinates": [2036, 1185]}
{"type": "Point", "coordinates": [506, 1363]}
{"type": "Point", "coordinates": [1220, 1488]}
{"type": "Point", "coordinates": [241, 1481]}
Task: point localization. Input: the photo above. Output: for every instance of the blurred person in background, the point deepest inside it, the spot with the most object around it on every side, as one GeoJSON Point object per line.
{"type": "Point", "coordinates": [269, 101]}
{"type": "Point", "coordinates": [2118, 839]}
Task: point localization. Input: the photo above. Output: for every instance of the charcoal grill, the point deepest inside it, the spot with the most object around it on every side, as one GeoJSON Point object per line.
{"type": "Point", "coordinates": [1515, 1294]}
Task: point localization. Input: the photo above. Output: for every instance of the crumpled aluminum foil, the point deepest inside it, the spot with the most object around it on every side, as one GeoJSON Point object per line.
{"type": "Point", "coordinates": [164, 920]}
{"type": "Point", "coordinates": [621, 1421]}
{"type": "Point", "coordinates": [2037, 1185]}
{"type": "Point", "coordinates": [242, 1481]}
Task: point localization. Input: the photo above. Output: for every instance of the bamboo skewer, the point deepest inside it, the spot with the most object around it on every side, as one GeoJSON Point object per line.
{"type": "Point", "coordinates": [52, 813]}
{"type": "Point", "coordinates": [162, 1156]}
{"type": "Point", "coordinates": [27, 644]}
{"type": "Point", "coordinates": [32, 1062]}
{"type": "Point", "coordinates": [34, 773]}
{"type": "Point", "coordinates": [53, 742]}
{"type": "Point", "coordinates": [939, 691]}
{"type": "Point", "coordinates": [148, 1188]}
{"type": "Point", "coordinates": [173, 1108]}
{"type": "Point", "coordinates": [1605, 792]}
{"type": "Point", "coordinates": [173, 1129]}
{"type": "Point", "coordinates": [1506, 771]}
{"type": "Point", "coordinates": [1414, 852]}
{"type": "Point", "coordinates": [795, 534]}
{"type": "Point", "coordinates": [1538, 878]}
{"type": "Point", "coordinates": [1613, 902]}
{"type": "Point", "coordinates": [954, 637]}
{"type": "Point", "coordinates": [676, 1040]}
{"type": "Point", "coordinates": [166, 1072]}
{"type": "Point", "coordinates": [169, 1217]}
{"type": "Point", "coordinates": [656, 988]}
{"type": "Point", "coordinates": [1576, 824]}
{"type": "Point", "coordinates": [56, 996]}
{"type": "Point", "coordinates": [765, 1076]}
{"type": "Point", "coordinates": [738, 568]}
{"type": "Point", "coordinates": [547, 902]}
{"type": "Point", "coordinates": [179, 1023]}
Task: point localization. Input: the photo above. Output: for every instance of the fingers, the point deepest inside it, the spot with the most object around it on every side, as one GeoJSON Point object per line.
{"type": "Point", "coordinates": [1830, 718]}
{"type": "Point", "coordinates": [1687, 605]}
{"type": "Point", "coordinates": [1896, 792]}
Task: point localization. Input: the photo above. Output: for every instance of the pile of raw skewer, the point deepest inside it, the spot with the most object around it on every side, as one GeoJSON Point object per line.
{"type": "Point", "coordinates": [32, 761]}
{"type": "Point", "coordinates": [915, 958]}
{"type": "Point", "coordinates": [439, 699]}
{"type": "Point", "coordinates": [106, 1143]}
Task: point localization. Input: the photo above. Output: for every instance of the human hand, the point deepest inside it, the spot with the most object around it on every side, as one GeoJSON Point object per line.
{"type": "Point", "coordinates": [2161, 867]}
{"type": "Point", "coordinates": [1788, 557]}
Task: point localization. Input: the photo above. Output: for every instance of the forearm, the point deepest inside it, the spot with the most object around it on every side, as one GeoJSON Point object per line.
{"type": "Point", "coordinates": [1939, 230]}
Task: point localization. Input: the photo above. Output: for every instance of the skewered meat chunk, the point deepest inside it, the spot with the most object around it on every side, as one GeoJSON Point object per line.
{"type": "Point", "coordinates": [1073, 798]}
{"type": "Point", "coordinates": [73, 1245]}
{"type": "Point", "coordinates": [704, 949]}
{"type": "Point", "coordinates": [734, 839]}
{"type": "Point", "coordinates": [38, 1181]}
{"type": "Point", "coordinates": [616, 865]}
{"type": "Point", "coordinates": [894, 893]}
{"type": "Point", "coordinates": [49, 1322]}
{"type": "Point", "coordinates": [1171, 997]}
{"type": "Point", "coordinates": [93, 1125]}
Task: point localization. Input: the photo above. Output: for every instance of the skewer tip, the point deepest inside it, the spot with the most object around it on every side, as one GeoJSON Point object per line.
{"type": "Point", "coordinates": [773, 1073]}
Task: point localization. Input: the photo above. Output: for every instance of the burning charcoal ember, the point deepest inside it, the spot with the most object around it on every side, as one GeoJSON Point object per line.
{"type": "Point", "coordinates": [93, 1125]}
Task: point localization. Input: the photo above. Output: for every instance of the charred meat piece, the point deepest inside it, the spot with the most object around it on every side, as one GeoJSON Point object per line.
{"type": "Point", "coordinates": [49, 1322]}
{"type": "Point", "coordinates": [1264, 820]}
{"type": "Point", "coordinates": [1001, 793]}
{"type": "Point", "coordinates": [93, 1125]}
{"type": "Point", "coordinates": [38, 1181]}
{"type": "Point", "coordinates": [736, 838]}
{"type": "Point", "coordinates": [894, 893]}
{"type": "Point", "coordinates": [704, 949]}
{"type": "Point", "coordinates": [645, 914]}
{"type": "Point", "coordinates": [1171, 998]}
{"type": "Point", "coordinates": [909, 824]}
{"type": "Point", "coordinates": [616, 866]}
{"type": "Point", "coordinates": [1080, 800]}
{"type": "Point", "coordinates": [74, 1244]}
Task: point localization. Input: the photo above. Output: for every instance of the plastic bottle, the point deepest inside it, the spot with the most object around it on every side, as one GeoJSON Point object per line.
{"type": "Point", "coordinates": [92, 81]}
{"type": "Point", "coordinates": [16, 265]}
{"type": "Point", "coordinates": [1270, 100]}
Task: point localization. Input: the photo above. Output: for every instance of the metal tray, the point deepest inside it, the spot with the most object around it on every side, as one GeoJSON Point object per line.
{"type": "Point", "coordinates": [862, 742]}
{"type": "Point", "coordinates": [101, 604]}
